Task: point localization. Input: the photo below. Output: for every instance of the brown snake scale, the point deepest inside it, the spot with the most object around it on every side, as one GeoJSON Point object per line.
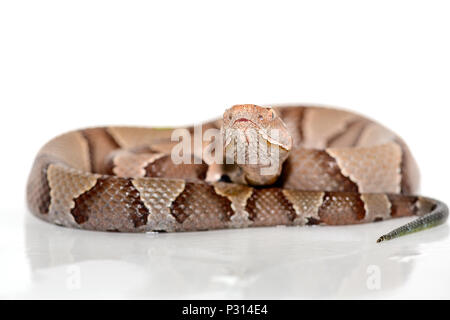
{"type": "Point", "coordinates": [342, 169]}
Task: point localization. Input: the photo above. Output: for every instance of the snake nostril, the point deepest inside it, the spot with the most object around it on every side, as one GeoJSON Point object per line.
{"type": "Point", "coordinates": [225, 178]}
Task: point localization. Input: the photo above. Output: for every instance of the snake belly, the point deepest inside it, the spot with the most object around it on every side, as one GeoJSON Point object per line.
{"type": "Point", "coordinates": [343, 169]}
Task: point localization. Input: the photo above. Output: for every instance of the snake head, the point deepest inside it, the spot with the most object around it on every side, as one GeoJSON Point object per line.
{"type": "Point", "coordinates": [264, 121]}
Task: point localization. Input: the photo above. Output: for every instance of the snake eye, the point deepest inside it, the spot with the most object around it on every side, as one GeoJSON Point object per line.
{"type": "Point", "coordinates": [229, 117]}
{"type": "Point", "coordinates": [272, 114]}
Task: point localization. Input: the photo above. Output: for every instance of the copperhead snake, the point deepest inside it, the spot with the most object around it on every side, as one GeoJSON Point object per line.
{"type": "Point", "coordinates": [336, 168]}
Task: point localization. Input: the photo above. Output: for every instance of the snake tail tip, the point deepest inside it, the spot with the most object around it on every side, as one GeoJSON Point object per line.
{"type": "Point", "coordinates": [380, 239]}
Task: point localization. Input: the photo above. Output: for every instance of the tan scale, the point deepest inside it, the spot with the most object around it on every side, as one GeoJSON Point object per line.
{"type": "Point", "coordinates": [129, 164]}
{"type": "Point", "coordinates": [77, 156]}
{"type": "Point", "coordinates": [157, 196]}
{"type": "Point", "coordinates": [350, 136]}
{"type": "Point", "coordinates": [377, 206]}
{"type": "Point", "coordinates": [129, 138]}
{"type": "Point", "coordinates": [238, 195]}
{"type": "Point", "coordinates": [67, 184]}
{"type": "Point", "coordinates": [306, 205]}
{"type": "Point", "coordinates": [374, 169]}
{"type": "Point", "coordinates": [322, 124]}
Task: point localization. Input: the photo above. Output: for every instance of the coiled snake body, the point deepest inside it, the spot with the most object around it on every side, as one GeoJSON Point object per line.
{"type": "Point", "coordinates": [336, 168]}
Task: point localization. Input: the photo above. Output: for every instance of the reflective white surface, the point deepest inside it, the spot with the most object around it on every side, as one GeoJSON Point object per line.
{"type": "Point", "coordinates": [40, 260]}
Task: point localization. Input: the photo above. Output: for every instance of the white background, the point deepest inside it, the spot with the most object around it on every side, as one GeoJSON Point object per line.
{"type": "Point", "coordinates": [71, 64]}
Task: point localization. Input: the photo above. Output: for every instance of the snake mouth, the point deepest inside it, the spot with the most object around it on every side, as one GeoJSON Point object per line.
{"type": "Point", "coordinates": [243, 120]}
